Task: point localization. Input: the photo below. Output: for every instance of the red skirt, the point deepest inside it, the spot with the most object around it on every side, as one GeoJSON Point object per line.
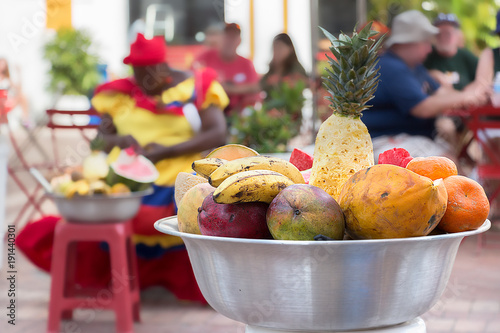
{"type": "Point", "coordinates": [158, 266]}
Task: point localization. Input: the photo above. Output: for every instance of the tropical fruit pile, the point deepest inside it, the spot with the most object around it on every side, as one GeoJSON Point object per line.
{"type": "Point", "coordinates": [123, 171]}
{"type": "Point", "coordinates": [266, 197]}
{"type": "Point", "coordinates": [338, 192]}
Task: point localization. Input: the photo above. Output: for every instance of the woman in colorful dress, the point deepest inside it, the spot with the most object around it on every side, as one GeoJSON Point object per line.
{"type": "Point", "coordinates": [170, 117]}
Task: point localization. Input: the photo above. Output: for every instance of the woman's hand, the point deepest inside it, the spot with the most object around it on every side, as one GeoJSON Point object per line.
{"type": "Point", "coordinates": [156, 152]}
{"type": "Point", "coordinates": [126, 141]}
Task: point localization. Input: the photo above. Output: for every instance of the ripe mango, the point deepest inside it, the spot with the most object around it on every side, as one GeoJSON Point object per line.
{"type": "Point", "coordinates": [388, 201]}
{"type": "Point", "coordinates": [187, 213]}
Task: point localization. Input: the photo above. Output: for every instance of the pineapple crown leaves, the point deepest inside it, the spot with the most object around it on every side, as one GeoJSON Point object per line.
{"type": "Point", "coordinates": [352, 78]}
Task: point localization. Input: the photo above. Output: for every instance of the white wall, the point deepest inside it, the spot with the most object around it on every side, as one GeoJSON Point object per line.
{"type": "Point", "coordinates": [23, 33]}
{"type": "Point", "coordinates": [107, 21]}
{"type": "Point", "coordinates": [268, 22]}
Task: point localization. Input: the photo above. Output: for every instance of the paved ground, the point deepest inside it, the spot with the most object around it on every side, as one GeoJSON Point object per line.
{"type": "Point", "coordinates": [471, 302]}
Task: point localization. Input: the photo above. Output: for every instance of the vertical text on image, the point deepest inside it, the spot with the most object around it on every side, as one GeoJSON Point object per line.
{"type": "Point", "coordinates": [11, 274]}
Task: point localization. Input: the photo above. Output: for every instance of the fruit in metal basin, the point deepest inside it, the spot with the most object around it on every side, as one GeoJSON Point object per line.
{"type": "Point", "coordinates": [434, 167]}
{"type": "Point", "coordinates": [183, 183]}
{"type": "Point", "coordinates": [307, 175]}
{"type": "Point", "coordinates": [232, 152]}
{"type": "Point", "coordinates": [255, 163]}
{"type": "Point", "coordinates": [387, 201]}
{"type": "Point", "coordinates": [135, 171]}
{"type": "Point", "coordinates": [468, 205]}
{"type": "Point", "coordinates": [251, 186]}
{"type": "Point", "coordinates": [80, 188]}
{"type": "Point", "coordinates": [301, 159]}
{"type": "Point", "coordinates": [206, 166]}
{"type": "Point", "coordinates": [187, 214]}
{"type": "Point", "coordinates": [99, 187]}
{"type": "Point", "coordinates": [300, 212]}
{"type": "Point", "coordinates": [119, 188]}
{"type": "Point", "coordinates": [395, 156]}
{"type": "Point", "coordinates": [95, 166]}
{"type": "Point", "coordinates": [244, 220]}
{"type": "Point", "coordinates": [343, 144]}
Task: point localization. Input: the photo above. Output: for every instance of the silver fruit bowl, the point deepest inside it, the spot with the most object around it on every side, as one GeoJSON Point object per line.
{"type": "Point", "coordinates": [321, 286]}
{"type": "Point", "coordinates": [99, 208]}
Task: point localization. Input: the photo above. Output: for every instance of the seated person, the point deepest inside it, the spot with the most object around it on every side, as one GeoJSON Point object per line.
{"type": "Point", "coordinates": [150, 112]}
{"type": "Point", "coordinates": [407, 100]}
{"type": "Point", "coordinates": [448, 63]}
{"type": "Point", "coordinates": [236, 73]}
{"type": "Point", "coordinates": [452, 66]}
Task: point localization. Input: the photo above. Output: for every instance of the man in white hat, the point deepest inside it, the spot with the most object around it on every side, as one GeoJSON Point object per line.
{"type": "Point", "coordinates": [408, 100]}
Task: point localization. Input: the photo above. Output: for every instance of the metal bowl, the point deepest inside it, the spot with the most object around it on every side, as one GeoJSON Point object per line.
{"type": "Point", "coordinates": [99, 208]}
{"type": "Point", "coordinates": [321, 286]}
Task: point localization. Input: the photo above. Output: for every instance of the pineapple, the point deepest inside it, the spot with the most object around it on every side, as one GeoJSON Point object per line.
{"type": "Point", "coordinates": [343, 145]}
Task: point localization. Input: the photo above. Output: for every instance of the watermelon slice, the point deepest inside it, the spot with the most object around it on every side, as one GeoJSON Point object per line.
{"type": "Point", "coordinates": [301, 159]}
{"type": "Point", "coordinates": [396, 156]}
{"type": "Point", "coordinates": [307, 175]}
{"type": "Point", "coordinates": [133, 170]}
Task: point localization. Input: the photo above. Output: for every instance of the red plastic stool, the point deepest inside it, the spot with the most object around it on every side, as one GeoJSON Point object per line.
{"type": "Point", "coordinates": [124, 290]}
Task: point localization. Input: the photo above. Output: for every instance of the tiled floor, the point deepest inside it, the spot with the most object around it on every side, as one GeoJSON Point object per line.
{"type": "Point", "coordinates": [471, 302]}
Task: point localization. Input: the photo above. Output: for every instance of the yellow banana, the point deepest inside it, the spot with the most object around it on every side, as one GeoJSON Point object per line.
{"type": "Point", "coordinates": [206, 166]}
{"type": "Point", "coordinates": [99, 187]}
{"type": "Point", "coordinates": [255, 163]}
{"type": "Point", "coordinates": [80, 188]}
{"type": "Point", "coordinates": [251, 186]}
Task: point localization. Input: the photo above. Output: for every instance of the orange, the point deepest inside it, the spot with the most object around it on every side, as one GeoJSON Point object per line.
{"type": "Point", "coordinates": [468, 205]}
{"type": "Point", "coordinates": [433, 167]}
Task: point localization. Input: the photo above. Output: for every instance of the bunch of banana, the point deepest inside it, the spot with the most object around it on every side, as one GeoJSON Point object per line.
{"type": "Point", "coordinates": [249, 179]}
{"type": "Point", "coordinates": [83, 187]}
{"type": "Point", "coordinates": [206, 166]}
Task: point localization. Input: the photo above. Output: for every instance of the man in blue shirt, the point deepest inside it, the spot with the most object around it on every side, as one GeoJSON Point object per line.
{"type": "Point", "coordinates": [408, 100]}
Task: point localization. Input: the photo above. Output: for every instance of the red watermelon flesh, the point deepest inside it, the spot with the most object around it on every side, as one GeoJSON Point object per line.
{"type": "Point", "coordinates": [301, 159]}
{"type": "Point", "coordinates": [307, 175]}
{"type": "Point", "coordinates": [396, 156]}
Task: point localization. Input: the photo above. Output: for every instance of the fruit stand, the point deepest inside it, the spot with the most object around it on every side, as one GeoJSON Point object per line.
{"type": "Point", "coordinates": [330, 242]}
{"type": "Point", "coordinates": [323, 243]}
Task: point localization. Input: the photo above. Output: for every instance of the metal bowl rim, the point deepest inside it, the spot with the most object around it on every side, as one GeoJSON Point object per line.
{"type": "Point", "coordinates": [160, 226]}
{"type": "Point", "coordinates": [100, 197]}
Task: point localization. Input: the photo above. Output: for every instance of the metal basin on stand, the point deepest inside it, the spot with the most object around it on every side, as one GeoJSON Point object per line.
{"type": "Point", "coordinates": [313, 286]}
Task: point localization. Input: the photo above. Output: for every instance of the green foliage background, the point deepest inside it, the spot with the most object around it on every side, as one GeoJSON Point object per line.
{"type": "Point", "coordinates": [269, 128]}
{"type": "Point", "coordinates": [477, 17]}
{"type": "Point", "coordinates": [73, 68]}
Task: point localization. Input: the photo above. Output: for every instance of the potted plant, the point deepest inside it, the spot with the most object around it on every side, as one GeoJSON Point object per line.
{"type": "Point", "coordinates": [73, 69]}
{"type": "Point", "coordinates": [269, 128]}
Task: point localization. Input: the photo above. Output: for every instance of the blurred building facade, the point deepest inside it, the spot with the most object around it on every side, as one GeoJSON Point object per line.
{"type": "Point", "coordinates": [23, 30]}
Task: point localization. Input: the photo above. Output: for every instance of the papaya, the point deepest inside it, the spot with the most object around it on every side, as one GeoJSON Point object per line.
{"type": "Point", "coordinates": [388, 201]}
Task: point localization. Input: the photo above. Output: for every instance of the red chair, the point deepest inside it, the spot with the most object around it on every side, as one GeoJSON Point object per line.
{"type": "Point", "coordinates": [479, 121]}
{"type": "Point", "coordinates": [122, 296]}
{"type": "Point", "coordinates": [33, 198]}
{"type": "Point", "coordinates": [73, 125]}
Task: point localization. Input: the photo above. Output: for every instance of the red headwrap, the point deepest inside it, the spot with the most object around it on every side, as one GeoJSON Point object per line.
{"type": "Point", "coordinates": [145, 52]}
